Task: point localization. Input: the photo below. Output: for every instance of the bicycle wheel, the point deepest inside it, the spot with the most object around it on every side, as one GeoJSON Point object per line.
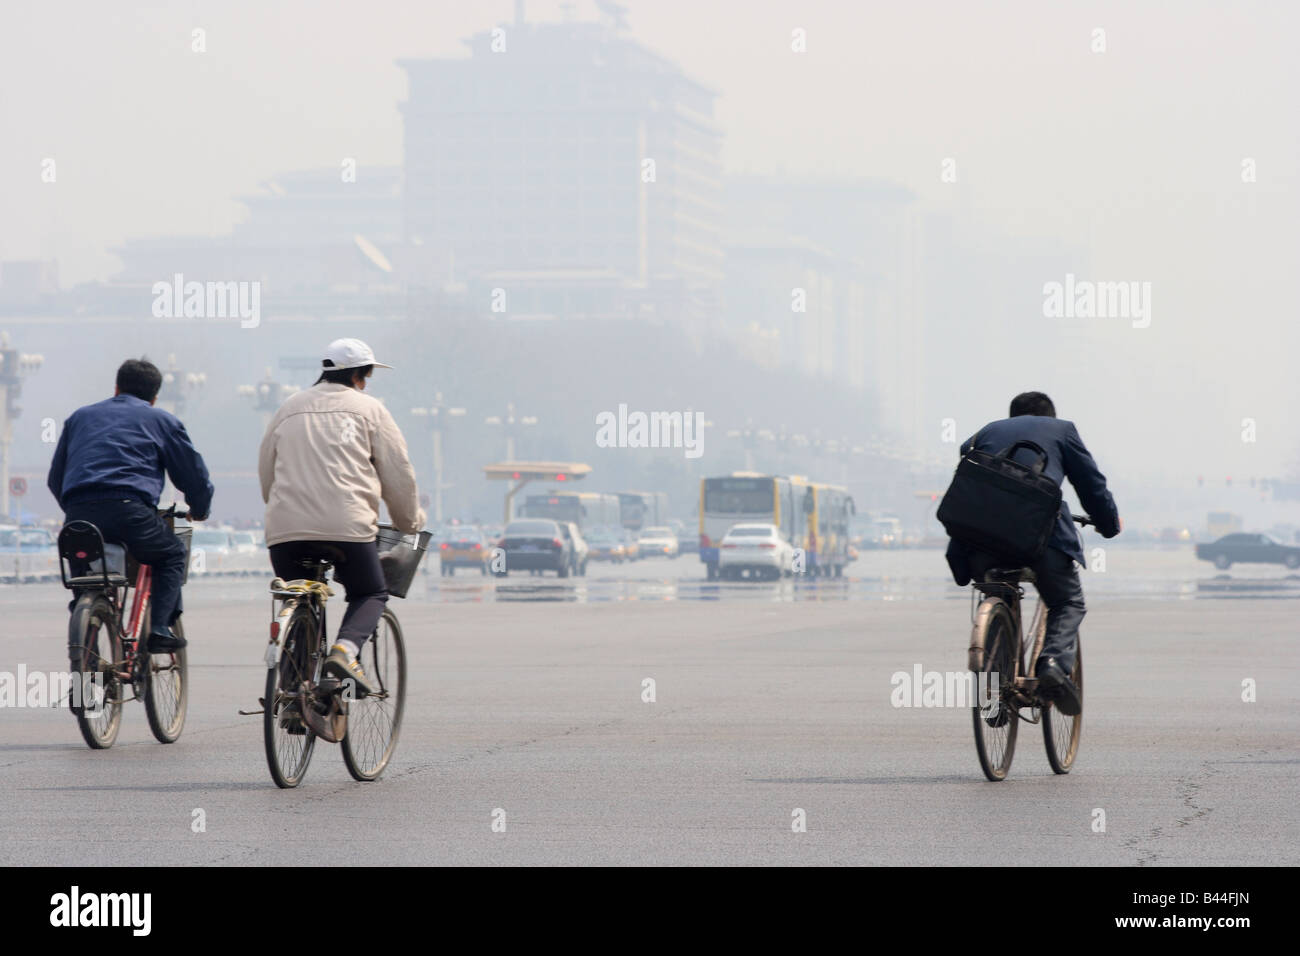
{"type": "Point", "coordinates": [166, 689]}
{"type": "Point", "coordinates": [1061, 733]}
{"type": "Point", "coordinates": [996, 726]}
{"type": "Point", "coordinates": [375, 721]}
{"type": "Point", "coordinates": [95, 654]}
{"type": "Point", "coordinates": [289, 743]}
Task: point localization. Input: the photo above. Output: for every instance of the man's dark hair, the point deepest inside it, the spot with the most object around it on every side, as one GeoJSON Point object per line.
{"type": "Point", "coordinates": [139, 377]}
{"type": "Point", "coordinates": [344, 376]}
{"type": "Point", "coordinates": [1032, 403]}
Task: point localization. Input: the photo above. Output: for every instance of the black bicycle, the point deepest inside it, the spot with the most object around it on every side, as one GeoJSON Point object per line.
{"type": "Point", "coordinates": [1006, 691]}
{"type": "Point", "coordinates": [301, 704]}
{"type": "Point", "coordinates": [108, 646]}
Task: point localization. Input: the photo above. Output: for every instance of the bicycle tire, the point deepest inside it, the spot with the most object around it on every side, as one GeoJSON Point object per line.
{"type": "Point", "coordinates": [288, 754]}
{"type": "Point", "coordinates": [166, 688]}
{"type": "Point", "coordinates": [1061, 734]}
{"type": "Point", "coordinates": [375, 721]}
{"type": "Point", "coordinates": [95, 653]}
{"type": "Point", "coordinates": [995, 736]}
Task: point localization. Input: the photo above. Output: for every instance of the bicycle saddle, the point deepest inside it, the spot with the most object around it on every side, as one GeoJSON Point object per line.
{"type": "Point", "coordinates": [325, 554]}
{"type": "Point", "coordinates": [1008, 576]}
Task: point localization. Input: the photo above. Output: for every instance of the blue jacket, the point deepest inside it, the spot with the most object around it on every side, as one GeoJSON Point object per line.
{"type": "Point", "coordinates": [1067, 457]}
{"type": "Point", "coordinates": [121, 446]}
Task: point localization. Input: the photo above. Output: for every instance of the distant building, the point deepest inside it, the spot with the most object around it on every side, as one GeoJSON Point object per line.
{"type": "Point", "coordinates": [848, 250]}
{"type": "Point", "coordinates": [571, 166]}
{"type": "Point", "coordinates": [315, 240]}
{"type": "Point", "coordinates": [28, 284]}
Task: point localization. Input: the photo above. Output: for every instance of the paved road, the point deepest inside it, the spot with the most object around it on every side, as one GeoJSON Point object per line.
{"type": "Point", "coordinates": [764, 705]}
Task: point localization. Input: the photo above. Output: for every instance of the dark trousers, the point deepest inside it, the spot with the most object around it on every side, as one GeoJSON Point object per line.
{"type": "Point", "coordinates": [359, 572]}
{"type": "Point", "coordinates": [137, 526]}
{"type": "Point", "coordinates": [1057, 580]}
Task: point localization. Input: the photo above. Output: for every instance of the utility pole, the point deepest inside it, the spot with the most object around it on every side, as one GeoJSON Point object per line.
{"type": "Point", "coordinates": [436, 413]}
{"type": "Point", "coordinates": [14, 367]}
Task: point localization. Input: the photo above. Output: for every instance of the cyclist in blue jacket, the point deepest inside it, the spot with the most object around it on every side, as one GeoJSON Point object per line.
{"type": "Point", "coordinates": [108, 469]}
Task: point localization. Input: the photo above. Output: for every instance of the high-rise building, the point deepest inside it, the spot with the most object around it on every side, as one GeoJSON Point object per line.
{"type": "Point", "coordinates": [567, 165]}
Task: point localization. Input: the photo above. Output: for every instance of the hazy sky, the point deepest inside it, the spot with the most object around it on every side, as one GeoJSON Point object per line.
{"type": "Point", "coordinates": [1134, 154]}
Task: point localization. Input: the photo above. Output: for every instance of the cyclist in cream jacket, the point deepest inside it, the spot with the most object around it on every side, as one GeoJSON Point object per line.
{"type": "Point", "coordinates": [329, 455]}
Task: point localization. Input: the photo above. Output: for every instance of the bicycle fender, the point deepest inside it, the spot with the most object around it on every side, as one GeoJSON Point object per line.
{"type": "Point", "coordinates": [978, 632]}
{"type": "Point", "coordinates": [272, 656]}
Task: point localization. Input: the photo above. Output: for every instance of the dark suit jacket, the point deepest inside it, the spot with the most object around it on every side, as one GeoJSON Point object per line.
{"type": "Point", "coordinates": [1067, 457]}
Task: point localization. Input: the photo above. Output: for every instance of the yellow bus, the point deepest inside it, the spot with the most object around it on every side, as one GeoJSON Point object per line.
{"type": "Point", "coordinates": [810, 515]}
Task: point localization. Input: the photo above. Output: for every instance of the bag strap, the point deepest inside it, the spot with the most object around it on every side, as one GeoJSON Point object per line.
{"type": "Point", "coordinates": [1039, 465]}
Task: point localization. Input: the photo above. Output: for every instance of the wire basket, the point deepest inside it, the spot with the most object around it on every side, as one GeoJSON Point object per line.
{"type": "Point", "coordinates": [399, 556]}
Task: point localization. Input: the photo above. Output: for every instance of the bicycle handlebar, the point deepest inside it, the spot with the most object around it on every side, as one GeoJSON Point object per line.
{"type": "Point", "coordinates": [174, 511]}
{"type": "Point", "coordinates": [1084, 520]}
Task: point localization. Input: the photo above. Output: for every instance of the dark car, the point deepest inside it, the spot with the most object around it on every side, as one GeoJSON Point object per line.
{"type": "Point", "coordinates": [536, 544]}
{"type": "Point", "coordinates": [1248, 548]}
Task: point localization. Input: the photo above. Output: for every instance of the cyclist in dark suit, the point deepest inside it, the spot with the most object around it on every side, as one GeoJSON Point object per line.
{"type": "Point", "coordinates": [108, 469]}
{"type": "Point", "coordinates": [1033, 418]}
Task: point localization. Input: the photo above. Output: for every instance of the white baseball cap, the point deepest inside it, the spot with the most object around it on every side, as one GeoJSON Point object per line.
{"type": "Point", "coordinates": [350, 353]}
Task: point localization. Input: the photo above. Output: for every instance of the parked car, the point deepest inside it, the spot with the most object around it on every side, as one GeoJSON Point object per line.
{"type": "Point", "coordinates": [536, 544]}
{"type": "Point", "coordinates": [757, 550]}
{"type": "Point", "coordinates": [464, 547]}
{"type": "Point", "coordinates": [26, 540]}
{"type": "Point", "coordinates": [607, 544]}
{"type": "Point", "coordinates": [211, 550]}
{"type": "Point", "coordinates": [658, 542]}
{"type": "Point", "coordinates": [1248, 548]}
{"type": "Point", "coordinates": [245, 542]}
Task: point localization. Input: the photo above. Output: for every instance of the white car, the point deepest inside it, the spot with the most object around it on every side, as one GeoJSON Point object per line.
{"type": "Point", "coordinates": [658, 542]}
{"type": "Point", "coordinates": [757, 550]}
{"type": "Point", "coordinates": [244, 542]}
{"type": "Point", "coordinates": [581, 550]}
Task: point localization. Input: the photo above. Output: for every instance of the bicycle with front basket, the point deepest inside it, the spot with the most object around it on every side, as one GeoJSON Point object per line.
{"type": "Point", "coordinates": [301, 704]}
{"type": "Point", "coordinates": [108, 645]}
{"type": "Point", "coordinates": [1005, 689]}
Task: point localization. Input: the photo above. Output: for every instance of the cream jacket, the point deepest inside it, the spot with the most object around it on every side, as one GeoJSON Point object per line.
{"type": "Point", "coordinates": [328, 457]}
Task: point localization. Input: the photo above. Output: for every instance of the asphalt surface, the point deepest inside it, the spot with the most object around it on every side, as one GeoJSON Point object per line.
{"type": "Point", "coordinates": [769, 699]}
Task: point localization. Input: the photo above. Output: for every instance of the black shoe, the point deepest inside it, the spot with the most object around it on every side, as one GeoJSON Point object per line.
{"type": "Point", "coordinates": [165, 643]}
{"type": "Point", "coordinates": [1055, 685]}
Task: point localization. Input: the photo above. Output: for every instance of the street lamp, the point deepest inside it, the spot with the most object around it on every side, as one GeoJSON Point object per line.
{"type": "Point", "coordinates": [14, 367]}
{"type": "Point", "coordinates": [511, 424]}
{"type": "Point", "coordinates": [177, 386]}
{"type": "Point", "coordinates": [267, 396]}
{"type": "Point", "coordinates": [436, 413]}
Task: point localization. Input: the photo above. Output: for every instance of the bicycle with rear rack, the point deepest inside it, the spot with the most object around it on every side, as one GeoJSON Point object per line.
{"type": "Point", "coordinates": [301, 704]}
{"type": "Point", "coordinates": [1006, 693]}
{"type": "Point", "coordinates": [108, 639]}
